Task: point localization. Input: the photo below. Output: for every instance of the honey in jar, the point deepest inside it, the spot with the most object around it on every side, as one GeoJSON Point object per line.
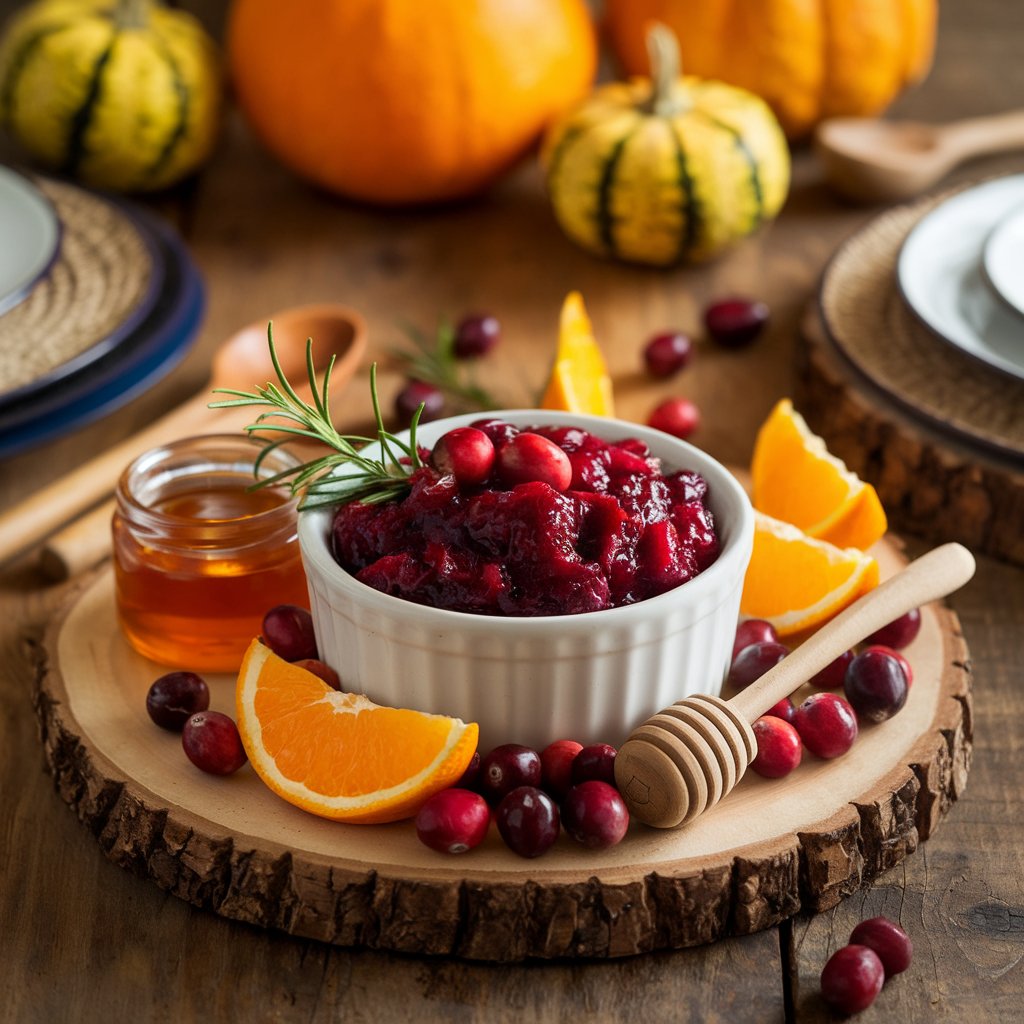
{"type": "Point", "coordinates": [199, 556]}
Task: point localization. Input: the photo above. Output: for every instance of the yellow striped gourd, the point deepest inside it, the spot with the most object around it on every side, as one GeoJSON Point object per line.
{"type": "Point", "coordinates": [668, 169]}
{"type": "Point", "coordinates": [121, 94]}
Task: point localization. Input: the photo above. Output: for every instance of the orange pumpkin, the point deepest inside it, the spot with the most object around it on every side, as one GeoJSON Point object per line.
{"type": "Point", "coordinates": [399, 101]}
{"type": "Point", "coordinates": [808, 59]}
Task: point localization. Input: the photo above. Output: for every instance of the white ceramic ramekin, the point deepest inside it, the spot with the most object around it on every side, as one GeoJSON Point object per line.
{"type": "Point", "coordinates": [591, 677]}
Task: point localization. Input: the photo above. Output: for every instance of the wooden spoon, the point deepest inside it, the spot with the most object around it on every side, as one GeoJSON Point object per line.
{"type": "Point", "coordinates": [685, 759]}
{"type": "Point", "coordinates": [243, 361]}
{"type": "Point", "coordinates": [870, 160]}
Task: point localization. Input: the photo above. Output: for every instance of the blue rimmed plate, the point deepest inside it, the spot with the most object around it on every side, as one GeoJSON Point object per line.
{"type": "Point", "coordinates": [29, 237]}
{"type": "Point", "coordinates": [97, 292]}
{"type": "Point", "coordinates": [148, 355]}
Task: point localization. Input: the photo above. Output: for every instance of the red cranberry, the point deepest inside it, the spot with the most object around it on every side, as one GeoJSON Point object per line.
{"type": "Point", "coordinates": [875, 685]}
{"type": "Point", "coordinates": [904, 664]}
{"type": "Point", "coordinates": [412, 396]}
{"type": "Point", "coordinates": [466, 453]}
{"type": "Point", "coordinates": [594, 762]}
{"type": "Point", "coordinates": [528, 457]}
{"type": "Point", "coordinates": [899, 633]}
{"type": "Point", "coordinates": [507, 767]}
{"type": "Point", "coordinates": [889, 941]}
{"type": "Point", "coordinates": [778, 747]}
{"type": "Point", "coordinates": [556, 766]}
{"type": "Point", "coordinates": [453, 820]}
{"type": "Point", "coordinates": [852, 979]}
{"type": "Point", "coordinates": [735, 322]}
{"type": "Point", "coordinates": [211, 742]}
{"type": "Point", "coordinates": [832, 675]}
{"type": "Point", "coordinates": [475, 336]}
{"type": "Point", "coordinates": [470, 777]}
{"type": "Point", "coordinates": [753, 661]}
{"type": "Point", "coordinates": [676, 416]}
{"type": "Point", "coordinates": [174, 697]}
{"type": "Point", "coordinates": [528, 821]}
{"type": "Point", "coordinates": [666, 354]}
{"type": "Point", "coordinates": [497, 430]}
{"type": "Point", "coordinates": [826, 724]}
{"type": "Point", "coordinates": [288, 631]}
{"type": "Point", "coordinates": [321, 670]}
{"type": "Point", "coordinates": [595, 815]}
{"type": "Point", "coordinates": [752, 631]}
{"type": "Point", "coordinates": [785, 709]}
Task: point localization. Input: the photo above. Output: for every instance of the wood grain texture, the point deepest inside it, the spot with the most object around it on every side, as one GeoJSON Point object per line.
{"type": "Point", "coordinates": [961, 897]}
{"type": "Point", "coordinates": [931, 484]}
{"type": "Point", "coordinates": [232, 847]}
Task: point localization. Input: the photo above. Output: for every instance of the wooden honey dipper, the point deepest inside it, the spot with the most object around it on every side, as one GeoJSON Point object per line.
{"type": "Point", "coordinates": [687, 757]}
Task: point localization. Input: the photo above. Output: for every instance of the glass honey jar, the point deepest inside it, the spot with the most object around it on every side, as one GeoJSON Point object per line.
{"type": "Point", "coordinates": [199, 556]}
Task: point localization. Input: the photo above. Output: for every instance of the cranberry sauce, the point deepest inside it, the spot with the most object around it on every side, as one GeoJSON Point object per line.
{"type": "Point", "coordinates": [619, 532]}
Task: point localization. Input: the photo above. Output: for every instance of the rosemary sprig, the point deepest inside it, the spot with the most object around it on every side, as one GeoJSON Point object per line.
{"type": "Point", "coordinates": [363, 478]}
{"type": "Point", "coordinates": [433, 361]}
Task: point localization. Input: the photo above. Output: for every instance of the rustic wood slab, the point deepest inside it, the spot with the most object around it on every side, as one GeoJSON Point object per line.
{"type": "Point", "coordinates": [773, 848]}
{"type": "Point", "coordinates": [869, 321]}
{"type": "Point", "coordinates": [931, 484]}
{"type": "Point", "coordinates": [939, 434]}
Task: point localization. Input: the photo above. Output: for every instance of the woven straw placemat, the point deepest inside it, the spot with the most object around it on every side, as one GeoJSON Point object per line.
{"type": "Point", "coordinates": [101, 286]}
{"type": "Point", "coordinates": [870, 323]}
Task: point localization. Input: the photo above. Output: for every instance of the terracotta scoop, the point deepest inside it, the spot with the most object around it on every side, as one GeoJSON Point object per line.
{"type": "Point", "coordinates": [870, 160]}
{"type": "Point", "coordinates": [686, 758]}
{"type": "Point", "coordinates": [242, 361]}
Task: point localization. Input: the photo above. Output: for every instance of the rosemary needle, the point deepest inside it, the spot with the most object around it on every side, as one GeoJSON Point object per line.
{"type": "Point", "coordinates": [350, 472]}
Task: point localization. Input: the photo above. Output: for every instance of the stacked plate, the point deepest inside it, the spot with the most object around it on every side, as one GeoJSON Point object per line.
{"type": "Point", "coordinates": [961, 270]}
{"type": "Point", "coordinates": [98, 301]}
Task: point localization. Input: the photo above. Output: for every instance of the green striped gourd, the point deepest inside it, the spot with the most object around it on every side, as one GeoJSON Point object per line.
{"type": "Point", "coordinates": [665, 170]}
{"type": "Point", "coordinates": [120, 94]}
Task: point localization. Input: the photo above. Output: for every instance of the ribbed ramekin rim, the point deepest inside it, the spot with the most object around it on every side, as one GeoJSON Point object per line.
{"type": "Point", "coordinates": [715, 583]}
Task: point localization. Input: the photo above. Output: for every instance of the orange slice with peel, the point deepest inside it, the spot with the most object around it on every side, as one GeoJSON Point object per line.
{"type": "Point", "coordinates": [338, 754]}
{"type": "Point", "coordinates": [797, 582]}
{"type": "Point", "coordinates": [795, 478]}
{"type": "Point", "coordinates": [579, 380]}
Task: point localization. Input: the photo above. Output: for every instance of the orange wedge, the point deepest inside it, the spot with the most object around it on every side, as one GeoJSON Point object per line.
{"type": "Point", "coordinates": [797, 582]}
{"type": "Point", "coordinates": [796, 479]}
{"type": "Point", "coordinates": [338, 754]}
{"type": "Point", "coordinates": [579, 380]}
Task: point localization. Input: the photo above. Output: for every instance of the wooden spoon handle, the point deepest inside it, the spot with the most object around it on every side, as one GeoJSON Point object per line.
{"type": "Point", "coordinates": [48, 509]}
{"type": "Point", "coordinates": [928, 578]}
{"type": "Point", "coordinates": [79, 545]}
{"type": "Point", "coordinates": [976, 136]}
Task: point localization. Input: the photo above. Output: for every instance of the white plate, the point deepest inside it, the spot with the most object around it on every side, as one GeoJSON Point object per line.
{"type": "Point", "coordinates": [29, 237]}
{"type": "Point", "coordinates": [1003, 259]}
{"type": "Point", "coordinates": [941, 277]}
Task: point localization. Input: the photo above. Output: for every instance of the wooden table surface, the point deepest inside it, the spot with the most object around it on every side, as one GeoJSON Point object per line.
{"type": "Point", "coordinates": [86, 941]}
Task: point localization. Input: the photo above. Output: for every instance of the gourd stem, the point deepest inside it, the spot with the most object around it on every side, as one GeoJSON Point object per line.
{"type": "Point", "coordinates": [133, 13]}
{"type": "Point", "coordinates": [663, 54]}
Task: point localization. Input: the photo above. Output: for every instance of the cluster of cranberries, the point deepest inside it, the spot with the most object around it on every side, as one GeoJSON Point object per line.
{"type": "Point", "coordinates": [475, 336]}
{"type": "Point", "coordinates": [180, 701]}
{"type": "Point", "coordinates": [531, 797]}
{"type": "Point", "coordinates": [542, 520]}
{"type": "Point", "coordinates": [731, 323]}
{"type": "Point", "coordinates": [875, 683]}
{"type": "Point", "coordinates": [854, 974]}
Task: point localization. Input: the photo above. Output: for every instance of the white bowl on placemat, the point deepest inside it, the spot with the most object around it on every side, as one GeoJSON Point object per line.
{"type": "Point", "coordinates": [111, 375]}
{"type": "Point", "coordinates": [1003, 260]}
{"type": "Point", "coordinates": [592, 676]}
{"type": "Point", "coordinates": [101, 287]}
{"type": "Point", "coordinates": [941, 276]}
{"type": "Point", "coordinates": [29, 237]}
